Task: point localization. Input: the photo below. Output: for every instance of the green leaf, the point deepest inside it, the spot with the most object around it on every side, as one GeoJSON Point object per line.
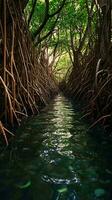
{"type": "Point", "coordinates": [99, 192]}
{"type": "Point", "coordinates": [26, 185]}
{"type": "Point", "coordinates": [108, 171]}
{"type": "Point", "coordinates": [62, 190]}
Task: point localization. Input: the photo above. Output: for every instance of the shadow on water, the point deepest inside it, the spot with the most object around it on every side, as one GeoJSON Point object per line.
{"type": "Point", "coordinates": [53, 158]}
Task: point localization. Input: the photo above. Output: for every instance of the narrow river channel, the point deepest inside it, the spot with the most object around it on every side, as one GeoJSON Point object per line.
{"type": "Point", "coordinates": [54, 158]}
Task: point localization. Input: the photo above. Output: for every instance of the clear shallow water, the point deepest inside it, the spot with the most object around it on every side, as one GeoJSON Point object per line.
{"type": "Point", "coordinates": [53, 158]}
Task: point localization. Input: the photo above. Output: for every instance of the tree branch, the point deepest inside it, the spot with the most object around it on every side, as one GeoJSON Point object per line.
{"type": "Point", "coordinates": [32, 11]}
{"type": "Point", "coordinates": [60, 8]}
{"type": "Point", "coordinates": [90, 13]}
{"type": "Point", "coordinates": [46, 17]}
{"type": "Point", "coordinates": [50, 32]}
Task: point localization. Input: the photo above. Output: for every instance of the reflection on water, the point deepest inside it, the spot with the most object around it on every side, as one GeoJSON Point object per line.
{"type": "Point", "coordinates": [53, 158]}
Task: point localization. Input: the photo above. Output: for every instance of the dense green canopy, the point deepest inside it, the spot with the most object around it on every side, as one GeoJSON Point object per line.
{"type": "Point", "coordinates": [65, 26]}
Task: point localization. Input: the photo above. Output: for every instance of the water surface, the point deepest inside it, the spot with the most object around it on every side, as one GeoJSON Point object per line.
{"type": "Point", "coordinates": [54, 158]}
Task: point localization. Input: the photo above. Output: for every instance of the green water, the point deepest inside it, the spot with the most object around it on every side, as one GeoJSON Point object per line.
{"type": "Point", "coordinates": [54, 158]}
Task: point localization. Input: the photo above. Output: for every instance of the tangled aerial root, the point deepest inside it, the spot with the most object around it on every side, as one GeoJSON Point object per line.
{"type": "Point", "coordinates": [25, 81]}
{"type": "Point", "coordinates": [4, 132]}
{"type": "Point", "coordinates": [90, 79]}
{"type": "Point", "coordinates": [93, 86]}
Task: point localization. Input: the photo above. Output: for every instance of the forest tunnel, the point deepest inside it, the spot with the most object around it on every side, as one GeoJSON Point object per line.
{"type": "Point", "coordinates": [45, 45]}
